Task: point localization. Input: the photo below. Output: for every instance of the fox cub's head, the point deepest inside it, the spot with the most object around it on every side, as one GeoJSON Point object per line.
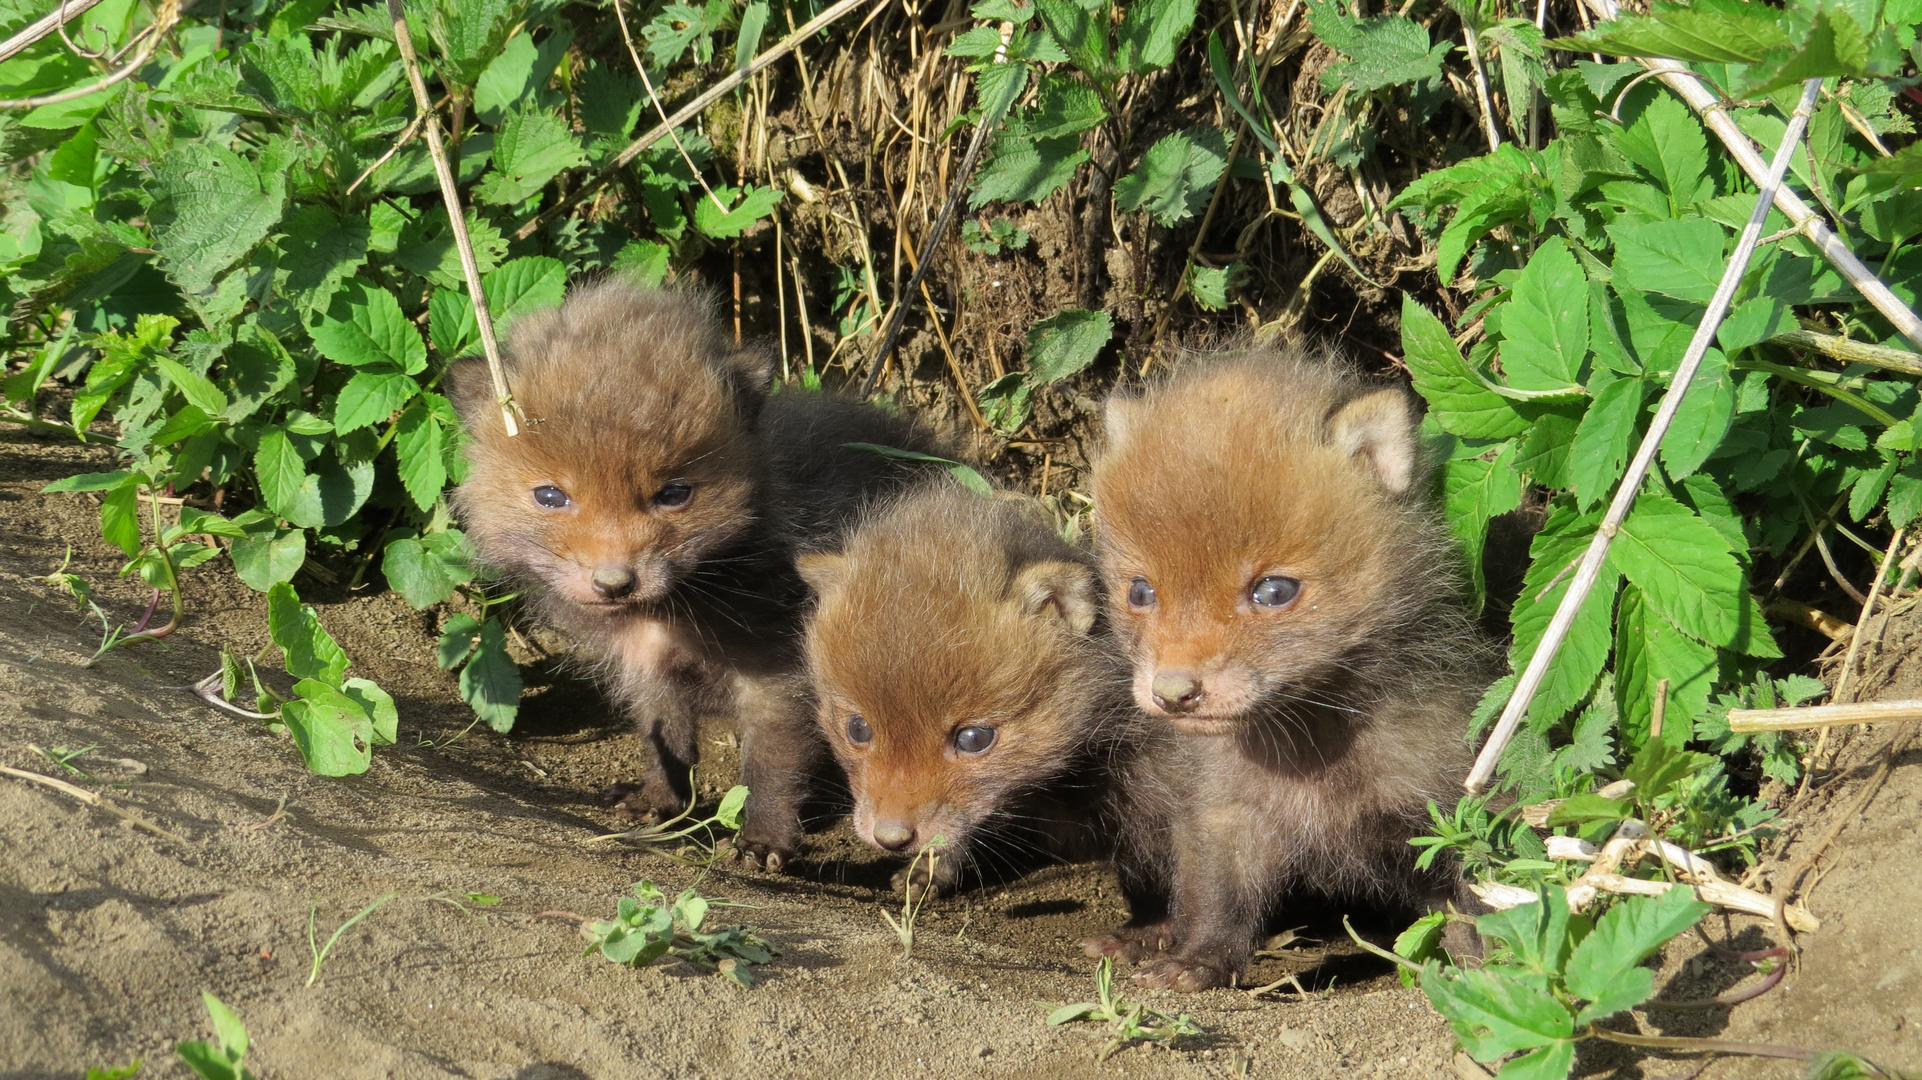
{"type": "Point", "coordinates": [639, 456]}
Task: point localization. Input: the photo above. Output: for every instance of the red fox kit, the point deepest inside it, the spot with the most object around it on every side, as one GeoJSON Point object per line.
{"type": "Point", "coordinates": [1289, 602]}
{"type": "Point", "coordinates": [653, 507]}
{"type": "Point", "coordinates": [963, 681]}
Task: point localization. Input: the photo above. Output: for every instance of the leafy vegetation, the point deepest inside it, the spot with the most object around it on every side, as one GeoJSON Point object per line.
{"type": "Point", "coordinates": [223, 1059]}
{"type": "Point", "coordinates": [647, 928]}
{"type": "Point", "coordinates": [1128, 1022]}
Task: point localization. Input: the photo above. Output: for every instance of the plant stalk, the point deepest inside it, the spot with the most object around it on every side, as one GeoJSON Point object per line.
{"type": "Point", "coordinates": [1591, 566]}
{"type": "Point", "coordinates": [456, 217]}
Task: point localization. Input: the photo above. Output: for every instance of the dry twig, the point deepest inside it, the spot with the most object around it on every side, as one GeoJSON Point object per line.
{"type": "Point", "coordinates": [41, 27]}
{"type": "Point", "coordinates": [90, 799]}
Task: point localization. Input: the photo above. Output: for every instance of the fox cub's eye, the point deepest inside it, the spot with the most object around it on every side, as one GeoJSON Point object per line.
{"type": "Point", "coordinates": [673, 495]}
{"type": "Point", "coordinates": [1275, 591]}
{"type": "Point", "coordinates": [551, 497]}
{"type": "Point", "coordinates": [1140, 593]}
{"type": "Point", "coordinates": [974, 739]}
{"type": "Point", "coordinates": [859, 731]}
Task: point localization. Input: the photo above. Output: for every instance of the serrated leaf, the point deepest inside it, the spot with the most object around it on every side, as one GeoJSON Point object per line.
{"type": "Point", "coordinates": [1385, 51]}
{"type": "Point", "coordinates": [1712, 36]}
{"type": "Point", "coordinates": [282, 475]}
{"type": "Point", "coordinates": [1536, 933]}
{"type": "Point", "coordinates": [1599, 452]}
{"type": "Point", "coordinates": [1209, 285]}
{"type": "Point", "coordinates": [1649, 649]}
{"type": "Point", "coordinates": [1606, 967]}
{"type": "Point", "coordinates": [1682, 565]}
{"type": "Point", "coordinates": [1496, 1011]}
{"type": "Point", "coordinates": [1176, 176]}
{"type": "Point", "coordinates": [427, 570]}
{"type": "Point", "coordinates": [1004, 402]}
{"type": "Point", "coordinates": [370, 397]}
{"type": "Point", "coordinates": [421, 449]}
{"type": "Point", "coordinates": [1668, 142]}
{"type": "Point", "coordinates": [1062, 344]}
{"type": "Point", "coordinates": [491, 681]}
{"type": "Point", "coordinates": [1026, 170]}
{"type": "Point", "coordinates": [520, 286]}
{"type": "Point", "coordinates": [755, 203]}
{"type": "Point", "coordinates": [1475, 490]}
{"type": "Point", "coordinates": [1680, 258]}
{"type": "Point", "coordinates": [1703, 418]}
{"type": "Point", "coordinates": [1081, 35]}
{"type": "Point", "coordinates": [120, 519]}
{"type": "Point", "coordinates": [1545, 324]}
{"type": "Point", "coordinates": [1753, 322]}
{"type": "Point", "coordinates": [364, 325]}
{"type": "Point", "coordinates": [1552, 1062]}
{"type": "Point", "coordinates": [1063, 106]}
{"type": "Point", "coordinates": [1579, 809]}
{"type": "Point", "coordinates": [106, 481]}
{"type": "Point", "coordinates": [531, 147]}
{"type": "Point", "coordinates": [1151, 31]}
{"type": "Point", "coordinates": [319, 251]}
{"type": "Point", "coordinates": [457, 640]}
{"type": "Point", "coordinates": [199, 390]}
{"type": "Point", "coordinates": [1553, 555]}
{"type": "Point", "coordinates": [309, 650]}
{"type": "Point", "coordinates": [1459, 399]}
{"type": "Point", "coordinates": [211, 207]}
{"type": "Point", "coordinates": [1834, 45]}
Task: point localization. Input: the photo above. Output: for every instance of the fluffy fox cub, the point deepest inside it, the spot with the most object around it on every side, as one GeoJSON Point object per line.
{"type": "Point", "coordinates": [1289, 601]}
{"type": "Point", "coordinates": [966, 684]}
{"type": "Point", "coordinates": [652, 507]}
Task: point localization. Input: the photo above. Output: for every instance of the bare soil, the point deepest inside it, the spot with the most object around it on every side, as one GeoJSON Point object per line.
{"type": "Point", "coordinates": [108, 933]}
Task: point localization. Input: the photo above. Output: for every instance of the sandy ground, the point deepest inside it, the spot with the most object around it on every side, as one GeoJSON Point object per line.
{"type": "Point", "coordinates": [108, 933]}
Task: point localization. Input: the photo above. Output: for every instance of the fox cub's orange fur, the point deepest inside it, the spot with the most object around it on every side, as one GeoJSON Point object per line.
{"type": "Point", "coordinates": [653, 506]}
{"type": "Point", "coordinates": [966, 684]}
{"type": "Point", "coordinates": [1290, 603]}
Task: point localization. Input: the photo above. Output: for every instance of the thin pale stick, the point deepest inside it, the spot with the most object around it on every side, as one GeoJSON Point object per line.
{"type": "Point", "coordinates": [456, 217]}
{"type": "Point", "coordinates": [1590, 569]}
{"type": "Point", "coordinates": [90, 799]}
{"type": "Point", "coordinates": [1481, 88]}
{"type": "Point", "coordinates": [46, 24]}
{"type": "Point", "coordinates": [620, 17]}
{"type": "Point", "coordinates": [1868, 610]}
{"type": "Point", "coordinates": [688, 112]}
{"type": "Point", "coordinates": [1851, 351]}
{"type": "Point", "coordinates": [149, 40]}
{"type": "Point", "coordinates": [1808, 717]}
{"type": "Point", "coordinates": [1685, 85]}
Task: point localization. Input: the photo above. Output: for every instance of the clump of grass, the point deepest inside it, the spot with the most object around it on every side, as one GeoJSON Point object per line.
{"type": "Point", "coordinates": [648, 928]}
{"type": "Point", "coordinates": [1128, 1022]}
{"type": "Point", "coordinates": [320, 951]}
{"type": "Point", "coordinates": [917, 893]}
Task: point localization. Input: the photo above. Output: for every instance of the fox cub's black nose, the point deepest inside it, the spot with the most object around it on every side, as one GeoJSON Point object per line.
{"type": "Point", "coordinates": [613, 582]}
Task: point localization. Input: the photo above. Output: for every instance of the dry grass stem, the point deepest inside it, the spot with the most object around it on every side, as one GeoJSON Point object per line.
{"type": "Point", "coordinates": [147, 41]}
{"type": "Point", "coordinates": [1808, 717]}
{"type": "Point", "coordinates": [46, 24]}
{"type": "Point", "coordinates": [90, 799]}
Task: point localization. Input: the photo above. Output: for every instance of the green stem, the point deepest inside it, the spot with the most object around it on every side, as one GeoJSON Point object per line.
{"type": "Point", "coordinates": [1815, 380]}
{"type": "Point", "coordinates": [1720, 1046]}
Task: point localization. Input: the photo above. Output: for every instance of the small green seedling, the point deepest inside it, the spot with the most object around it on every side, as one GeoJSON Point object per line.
{"type": "Point", "coordinates": [121, 1072]}
{"type": "Point", "coordinates": [919, 888]}
{"type": "Point", "coordinates": [994, 237]}
{"type": "Point", "coordinates": [460, 900]}
{"type": "Point", "coordinates": [320, 951]}
{"type": "Point", "coordinates": [676, 837]}
{"type": "Point", "coordinates": [211, 1062]}
{"type": "Point", "coordinates": [648, 928]}
{"type": "Point", "coordinates": [63, 757]}
{"type": "Point", "coordinates": [1129, 1022]}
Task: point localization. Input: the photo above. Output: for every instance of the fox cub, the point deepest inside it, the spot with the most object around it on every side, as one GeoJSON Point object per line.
{"type": "Point", "coordinates": [653, 507]}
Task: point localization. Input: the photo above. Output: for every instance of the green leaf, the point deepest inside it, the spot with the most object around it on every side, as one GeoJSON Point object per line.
{"type": "Point", "coordinates": [269, 556]}
{"type": "Point", "coordinates": [1151, 31]}
{"type": "Point", "coordinates": [1496, 1011]}
{"type": "Point", "coordinates": [1711, 36]}
{"type": "Point", "coordinates": [756, 203]}
{"type": "Point", "coordinates": [732, 804]}
{"type": "Point", "coordinates": [1004, 402]}
{"type": "Point", "coordinates": [968, 478]}
{"type": "Point", "coordinates": [450, 322]}
{"type": "Point", "coordinates": [1599, 452]}
{"type": "Point", "coordinates": [211, 207]}
{"type": "Point", "coordinates": [256, 369]}
{"type": "Point", "coordinates": [643, 261]}
{"type": "Point", "coordinates": [319, 251]}
{"type": "Point", "coordinates": [420, 444]}
{"type": "Point", "coordinates": [1209, 286]}
{"type": "Point", "coordinates": [364, 325]}
{"type": "Point", "coordinates": [1668, 142]}
{"type": "Point", "coordinates": [1176, 176]}
{"type": "Point", "coordinates": [1064, 106]}
{"type": "Point", "coordinates": [531, 147]}
{"type": "Point", "coordinates": [1459, 399]}
{"type": "Point", "coordinates": [457, 640]}
{"type": "Point", "coordinates": [309, 650]}
{"type": "Point", "coordinates": [1682, 565]}
{"type": "Point", "coordinates": [1068, 1014]}
{"type": "Point", "coordinates": [370, 397]}
{"type": "Point", "coordinates": [1552, 1062]}
{"type": "Point", "coordinates": [227, 1027]}
{"type": "Point", "coordinates": [1834, 46]}
{"type": "Point", "coordinates": [1082, 35]}
{"type": "Point", "coordinates": [517, 287]}
{"type": "Point", "coordinates": [1545, 325]}
{"type": "Point", "coordinates": [1681, 258]}
{"type": "Point", "coordinates": [1062, 344]}
{"type": "Point", "coordinates": [426, 569]}
{"type": "Point", "coordinates": [1702, 421]}
{"type": "Point", "coordinates": [283, 479]}
{"type": "Point", "coordinates": [1385, 51]}
{"type": "Point", "coordinates": [491, 682]}
{"type": "Point", "coordinates": [120, 519]}
{"type": "Point", "coordinates": [1026, 170]}
{"type": "Point", "coordinates": [1578, 809]}
{"type": "Point", "coordinates": [1753, 322]}
{"type": "Point", "coordinates": [1553, 555]}
{"type": "Point", "coordinates": [426, 246]}
{"type": "Point", "coordinates": [100, 481]}
{"type": "Point", "coordinates": [331, 730]}
{"type": "Point", "coordinates": [1648, 649]}
{"type": "Point", "coordinates": [199, 391]}
{"type": "Point", "coordinates": [507, 79]}
{"type": "Point", "coordinates": [379, 707]}
{"type": "Point", "coordinates": [1536, 933]}
{"type": "Point", "coordinates": [1605, 967]}
{"type": "Point", "coordinates": [1477, 489]}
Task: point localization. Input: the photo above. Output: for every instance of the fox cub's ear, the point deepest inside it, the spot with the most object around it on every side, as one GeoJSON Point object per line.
{"type": "Point", "coordinates": [1379, 428]}
{"type": "Point", "coordinates": [1062, 590]}
{"type": "Point", "coordinates": [470, 389]}
{"type": "Point", "coordinates": [822, 571]}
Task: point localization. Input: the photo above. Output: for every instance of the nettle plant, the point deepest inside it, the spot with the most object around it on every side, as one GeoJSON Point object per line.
{"type": "Point", "coordinates": [240, 257]}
